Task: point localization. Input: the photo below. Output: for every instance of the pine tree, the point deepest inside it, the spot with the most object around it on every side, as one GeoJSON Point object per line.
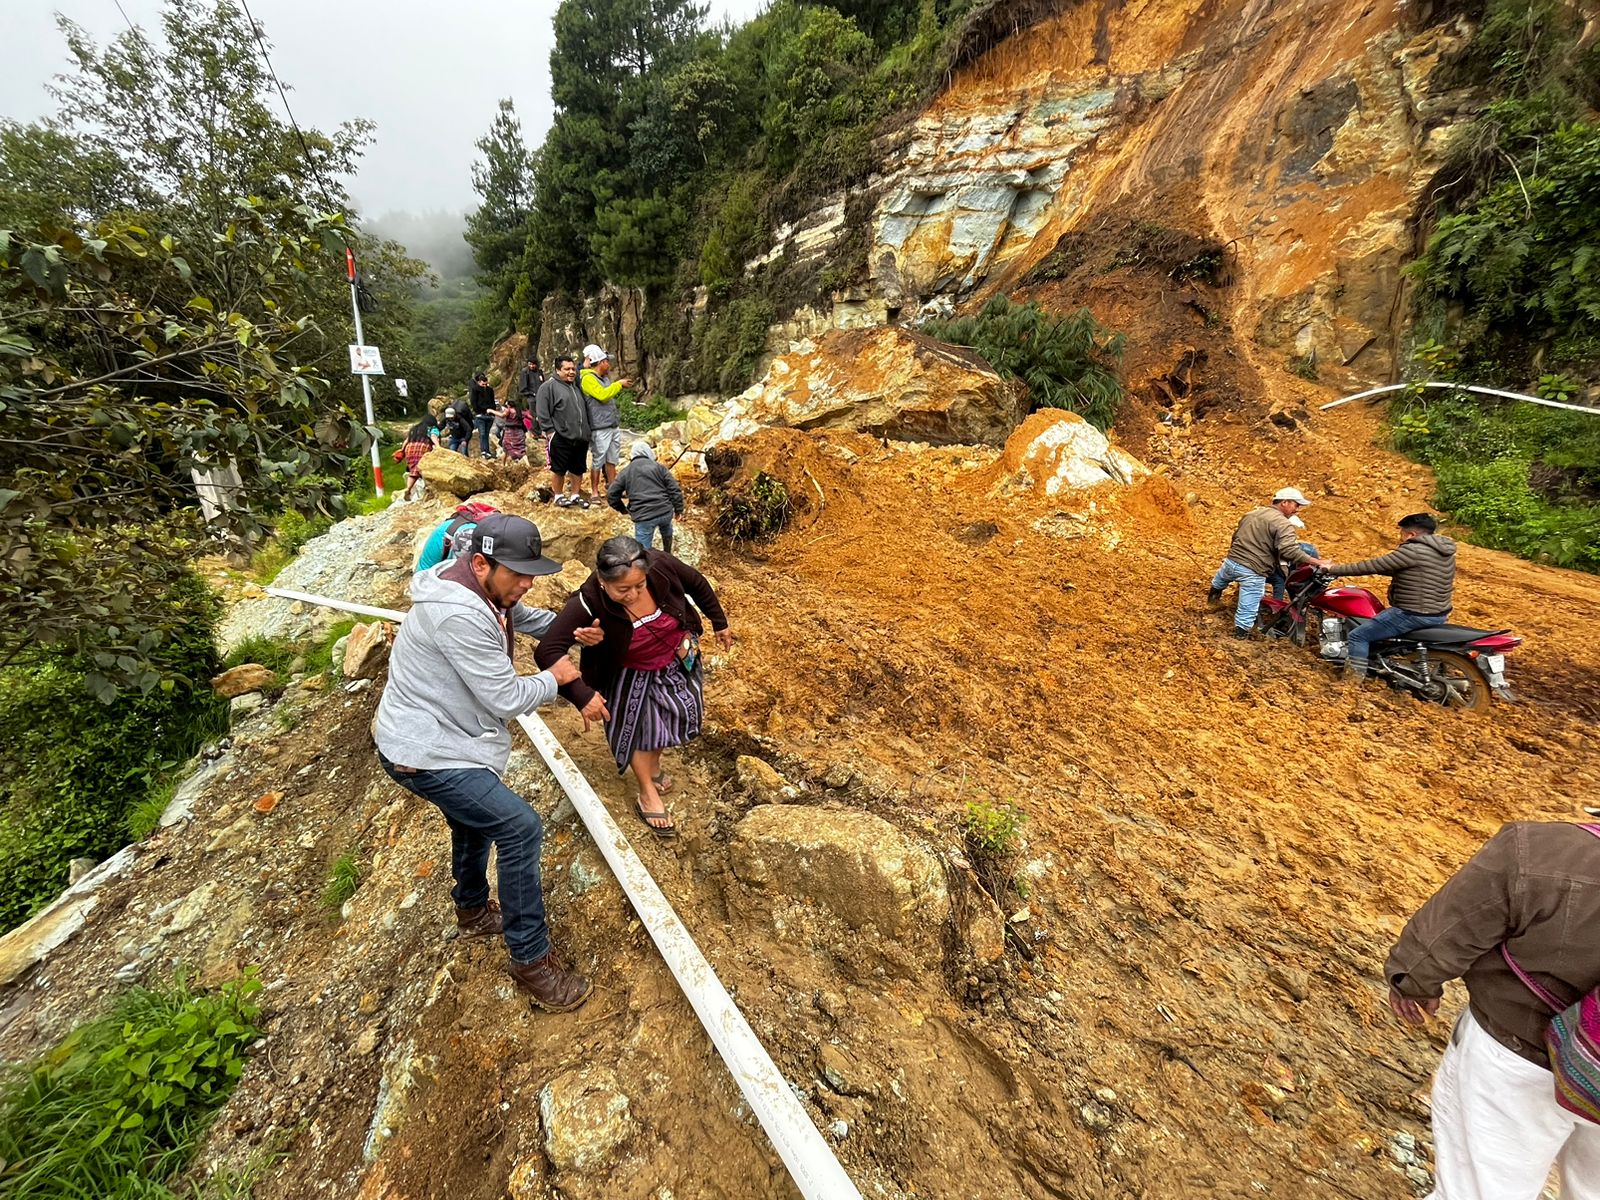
{"type": "Point", "coordinates": [498, 229]}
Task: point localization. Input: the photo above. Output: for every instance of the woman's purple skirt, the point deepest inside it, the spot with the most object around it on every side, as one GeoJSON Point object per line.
{"type": "Point", "coordinates": [514, 441]}
{"type": "Point", "coordinates": [652, 710]}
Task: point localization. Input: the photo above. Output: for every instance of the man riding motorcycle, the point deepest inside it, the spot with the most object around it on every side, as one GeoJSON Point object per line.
{"type": "Point", "coordinates": [1424, 572]}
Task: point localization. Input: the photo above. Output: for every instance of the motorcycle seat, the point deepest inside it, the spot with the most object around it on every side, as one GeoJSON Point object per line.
{"type": "Point", "coordinates": [1449, 635]}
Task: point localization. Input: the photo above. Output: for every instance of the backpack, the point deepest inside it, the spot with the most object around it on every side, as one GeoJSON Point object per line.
{"type": "Point", "coordinates": [1572, 1039]}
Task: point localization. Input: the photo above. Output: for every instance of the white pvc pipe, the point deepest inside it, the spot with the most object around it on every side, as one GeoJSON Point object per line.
{"type": "Point", "coordinates": [811, 1162]}
{"type": "Point", "coordinates": [1462, 387]}
{"type": "Point", "coordinates": [366, 610]}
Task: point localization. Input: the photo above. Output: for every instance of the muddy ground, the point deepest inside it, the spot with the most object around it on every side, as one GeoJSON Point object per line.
{"type": "Point", "coordinates": [1222, 842]}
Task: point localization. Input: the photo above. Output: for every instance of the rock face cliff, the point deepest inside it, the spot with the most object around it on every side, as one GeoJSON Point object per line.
{"type": "Point", "coordinates": [1296, 138]}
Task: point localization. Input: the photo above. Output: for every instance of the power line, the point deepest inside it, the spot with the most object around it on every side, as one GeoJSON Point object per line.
{"type": "Point", "coordinates": [124, 13]}
{"type": "Point", "coordinates": [255, 28]}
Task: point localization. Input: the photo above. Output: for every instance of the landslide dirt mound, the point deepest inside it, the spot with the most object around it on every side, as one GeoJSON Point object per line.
{"type": "Point", "coordinates": [1222, 842]}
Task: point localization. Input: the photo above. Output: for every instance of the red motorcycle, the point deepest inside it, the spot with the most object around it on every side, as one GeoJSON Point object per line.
{"type": "Point", "coordinates": [1450, 665]}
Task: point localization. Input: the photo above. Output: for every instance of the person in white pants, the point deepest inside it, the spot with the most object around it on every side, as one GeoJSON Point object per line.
{"type": "Point", "coordinates": [1497, 1128]}
{"type": "Point", "coordinates": [1532, 891]}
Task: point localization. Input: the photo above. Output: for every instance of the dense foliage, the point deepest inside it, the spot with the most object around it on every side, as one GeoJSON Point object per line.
{"type": "Point", "coordinates": [1508, 292]}
{"type": "Point", "coordinates": [71, 767]}
{"type": "Point", "coordinates": [172, 298]}
{"type": "Point", "coordinates": [1067, 362]}
{"type": "Point", "coordinates": [118, 1108]}
{"type": "Point", "coordinates": [676, 149]}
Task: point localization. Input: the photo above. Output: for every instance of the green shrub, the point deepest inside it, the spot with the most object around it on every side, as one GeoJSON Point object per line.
{"type": "Point", "coordinates": [72, 768]}
{"type": "Point", "coordinates": [117, 1109]}
{"type": "Point", "coordinates": [344, 877]}
{"type": "Point", "coordinates": [1067, 362]}
{"type": "Point", "coordinates": [993, 836]}
{"type": "Point", "coordinates": [642, 417]}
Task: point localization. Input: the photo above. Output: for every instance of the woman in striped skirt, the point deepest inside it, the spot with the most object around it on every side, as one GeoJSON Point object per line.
{"type": "Point", "coordinates": [644, 679]}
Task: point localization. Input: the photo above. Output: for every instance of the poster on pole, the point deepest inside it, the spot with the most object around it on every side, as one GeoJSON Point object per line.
{"type": "Point", "coordinates": [402, 387]}
{"type": "Point", "coordinates": [365, 360]}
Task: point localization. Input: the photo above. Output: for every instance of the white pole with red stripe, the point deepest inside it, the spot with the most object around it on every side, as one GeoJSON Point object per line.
{"type": "Point", "coordinates": [366, 384]}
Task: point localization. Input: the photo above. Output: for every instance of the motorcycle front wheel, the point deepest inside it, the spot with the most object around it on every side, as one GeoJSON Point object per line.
{"type": "Point", "coordinates": [1454, 680]}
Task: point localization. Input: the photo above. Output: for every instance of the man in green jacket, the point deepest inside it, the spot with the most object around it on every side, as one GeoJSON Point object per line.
{"type": "Point", "coordinates": [1424, 570]}
{"type": "Point", "coordinates": [605, 422]}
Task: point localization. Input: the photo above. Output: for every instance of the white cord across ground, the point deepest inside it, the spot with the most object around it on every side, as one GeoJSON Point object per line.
{"type": "Point", "coordinates": [1462, 387]}
{"type": "Point", "coordinates": [810, 1160]}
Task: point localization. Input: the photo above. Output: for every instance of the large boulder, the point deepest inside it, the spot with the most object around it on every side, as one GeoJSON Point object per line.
{"type": "Point", "coordinates": [886, 381]}
{"type": "Point", "coordinates": [856, 866]}
{"type": "Point", "coordinates": [456, 473]}
{"type": "Point", "coordinates": [1055, 450]}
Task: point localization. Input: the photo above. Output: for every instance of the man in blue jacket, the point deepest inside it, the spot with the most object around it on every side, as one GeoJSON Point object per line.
{"type": "Point", "coordinates": [442, 734]}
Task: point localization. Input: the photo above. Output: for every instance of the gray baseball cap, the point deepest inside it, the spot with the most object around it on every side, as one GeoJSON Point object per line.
{"type": "Point", "coordinates": [514, 543]}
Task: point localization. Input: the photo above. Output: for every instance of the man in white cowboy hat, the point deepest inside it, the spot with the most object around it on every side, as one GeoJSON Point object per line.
{"type": "Point", "coordinates": [605, 422]}
{"type": "Point", "coordinates": [1263, 538]}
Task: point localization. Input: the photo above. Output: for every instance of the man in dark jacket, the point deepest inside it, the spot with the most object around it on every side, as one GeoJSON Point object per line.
{"type": "Point", "coordinates": [1424, 570]}
{"type": "Point", "coordinates": [1262, 539]}
{"type": "Point", "coordinates": [1533, 890]}
{"type": "Point", "coordinates": [481, 400]}
{"type": "Point", "coordinates": [563, 420]}
{"type": "Point", "coordinates": [652, 496]}
{"type": "Point", "coordinates": [457, 431]}
{"type": "Point", "coordinates": [529, 381]}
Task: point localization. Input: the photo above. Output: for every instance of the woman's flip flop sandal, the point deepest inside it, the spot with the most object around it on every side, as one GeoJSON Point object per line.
{"type": "Point", "coordinates": [661, 831]}
{"type": "Point", "coordinates": [665, 783]}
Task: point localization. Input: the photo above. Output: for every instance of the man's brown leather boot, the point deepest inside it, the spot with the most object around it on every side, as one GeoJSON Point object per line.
{"type": "Point", "coordinates": [483, 921]}
{"type": "Point", "coordinates": [552, 986]}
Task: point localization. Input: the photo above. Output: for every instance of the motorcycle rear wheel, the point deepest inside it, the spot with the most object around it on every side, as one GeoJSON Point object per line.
{"type": "Point", "coordinates": [1462, 683]}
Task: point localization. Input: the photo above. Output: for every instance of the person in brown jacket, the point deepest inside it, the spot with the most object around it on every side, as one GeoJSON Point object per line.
{"type": "Point", "coordinates": [1262, 539]}
{"type": "Point", "coordinates": [1424, 570]}
{"type": "Point", "coordinates": [1534, 889]}
{"type": "Point", "coordinates": [644, 679]}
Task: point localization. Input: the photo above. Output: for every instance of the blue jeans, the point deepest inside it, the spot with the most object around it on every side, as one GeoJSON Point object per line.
{"type": "Point", "coordinates": [460, 444]}
{"type": "Point", "coordinates": [1279, 579]}
{"type": "Point", "coordinates": [484, 424]}
{"type": "Point", "coordinates": [1252, 587]}
{"type": "Point", "coordinates": [644, 533]}
{"type": "Point", "coordinates": [482, 812]}
{"type": "Point", "coordinates": [1391, 622]}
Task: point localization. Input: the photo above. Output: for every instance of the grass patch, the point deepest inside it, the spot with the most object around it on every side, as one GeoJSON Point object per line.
{"type": "Point", "coordinates": [319, 659]}
{"type": "Point", "coordinates": [118, 1107]}
{"type": "Point", "coordinates": [344, 878]}
{"type": "Point", "coordinates": [144, 816]}
{"type": "Point", "coordinates": [363, 500]}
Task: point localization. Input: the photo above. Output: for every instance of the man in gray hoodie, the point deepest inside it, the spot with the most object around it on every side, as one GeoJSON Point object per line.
{"type": "Point", "coordinates": [442, 734]}
{"type": "Point", "coordinates": [1424, 570]}
{"type": "Point", "coordinates": [563, 419]}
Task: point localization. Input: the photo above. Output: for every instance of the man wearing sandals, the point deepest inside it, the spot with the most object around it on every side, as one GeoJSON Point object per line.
{"type": "Point", "coordinates": [1529, 897]}
{"type": "Point", "coordinates": [442, 734]}
{"type": "Point", "coordinates": [563, 419]}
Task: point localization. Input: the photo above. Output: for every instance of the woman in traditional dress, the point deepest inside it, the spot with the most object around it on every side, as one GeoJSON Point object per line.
{"type": "Point", "coordinates": [514, 432]}
{"type": "Point", "coordinates": [644, 680]}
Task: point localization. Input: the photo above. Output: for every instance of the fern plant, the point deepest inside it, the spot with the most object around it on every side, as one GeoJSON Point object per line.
{"type": "Point", "coordinates": [1066, 362]}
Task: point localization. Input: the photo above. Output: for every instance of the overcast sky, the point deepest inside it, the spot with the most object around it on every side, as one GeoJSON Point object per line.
{"type": "Point", "coordinates": [428, 72]}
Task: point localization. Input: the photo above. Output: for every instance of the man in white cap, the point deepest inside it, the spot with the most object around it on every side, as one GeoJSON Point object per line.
{"type": "Point", "coordinates": [1263, 538]}
{"type": "Point", "coordinates": [605, 422]}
